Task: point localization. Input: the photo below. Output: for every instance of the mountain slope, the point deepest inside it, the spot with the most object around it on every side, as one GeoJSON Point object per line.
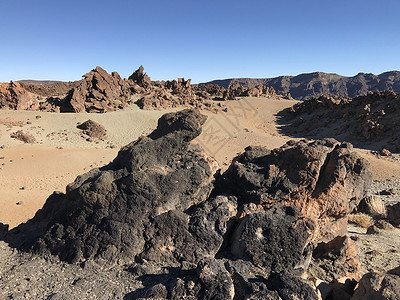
{"type": "Point", "coordinates": [309, 85]}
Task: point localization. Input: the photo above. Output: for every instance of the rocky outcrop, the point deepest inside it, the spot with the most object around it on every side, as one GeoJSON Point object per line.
{"type": "Point", "coordinates": [174, 93]}
{"type": "Point", "coordinates": [235, 90]}
{"type": "Point", "coordinates": [370, 118]}
{"type": "Point", "coordinates": [99, 92]}
{"type": "Point", "coordinates": [275, 240]}
{"type": "Point", "coordinates": [325, 179]}
{"type": "Point", "coordinates": [48, 88]}
{"type": "Point", "coordinates": [211, 90]}
{"type": "Point", "coordinates": [140, 81]}
{"type": "Point", "coordinates": [161, 211]}
{"type": "Point", "coordinates": [393, 215]}
{"type": "Point", "coordinates": [13, 96]}
{"type": "Point", "coordinates": [112, 214]}
{"type": "Point", "coordinates": [375, 285]}
{"type": "Point", "coordinates": [336, 261]}
{"type": "Point", "coordinates": [311, 85]}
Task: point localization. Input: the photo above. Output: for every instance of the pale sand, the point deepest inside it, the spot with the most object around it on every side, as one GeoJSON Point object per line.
{"type": "Point", "coordinates": [42, 168]}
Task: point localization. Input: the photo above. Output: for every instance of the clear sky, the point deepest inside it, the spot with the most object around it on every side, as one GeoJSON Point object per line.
{"type": "Point", "coordinates": [202, 40]}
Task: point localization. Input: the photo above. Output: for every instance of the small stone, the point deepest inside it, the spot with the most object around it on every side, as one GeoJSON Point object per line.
{"type": "Point", "coordinates": [388, 192]}
{"type": "Point", "coordinates": [20, 202]}
{"type": "Point", "coordinates": [372, 230]}
{"type": "Point", "coordinates": [373, 253]}
{"type": "Point", "coordinates": [382, 224]}
{"type": "Point", "coordinates": [385, 152]}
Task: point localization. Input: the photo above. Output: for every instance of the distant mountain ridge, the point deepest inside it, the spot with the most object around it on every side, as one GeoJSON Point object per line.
{"type": "Point", "coordinates": [310, 85]}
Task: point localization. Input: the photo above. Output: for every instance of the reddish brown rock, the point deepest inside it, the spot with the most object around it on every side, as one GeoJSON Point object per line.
{"type": "Point", "coordinates": [324, 179]}
{"type": "Point", "coordinates": [235, 90]}
{"type": "Point", "coordinates": [376, 285]}
{"type": "Point", "coordinates": [14, 96]}
{"type": "Point", "coordinates": [172, 93]}
{"type": "Point", "coordinates": [336, 261]}
{"type": "Point", "coordinates": [48, 88]}
{"type": "Point", "coordinates": [382, 224]}
{"type": "Point", "coordinates": [140, 79]}
{"type": "Point", "coordinates": [93, 129]}
{"type": "Point", "coordinates": [100, 92]}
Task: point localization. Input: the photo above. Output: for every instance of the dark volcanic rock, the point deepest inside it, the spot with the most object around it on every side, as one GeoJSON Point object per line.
{"type": "Point", "coordinates": [289, 286]}
{"type": "Point", "coordinates": [274, 240]}
{"type": "Point", "coordinates": [324, 179]}
{"type": "Point", "coordinates": [394, 214]}
{"type": "Point", "coordinates": [109, 214]}
{"type": "Point", "coordinates": [152, 212]}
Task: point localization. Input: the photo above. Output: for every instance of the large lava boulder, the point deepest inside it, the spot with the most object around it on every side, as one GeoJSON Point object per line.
{"type": "Point", "coordinates": [325, 179]}
{"type": "Point", "coordinates": [133, 208]}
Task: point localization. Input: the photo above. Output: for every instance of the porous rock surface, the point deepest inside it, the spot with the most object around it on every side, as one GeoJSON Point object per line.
{"type": "Point", "coordinates": [155, 212]}
{"type": "Point", "coordinates": [325, 179]}
{"type": "Point", "coordinates": [111, 213]}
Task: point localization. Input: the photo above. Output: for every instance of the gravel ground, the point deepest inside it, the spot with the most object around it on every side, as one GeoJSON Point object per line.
{"type": "Point", "coordinates": [25, 276]}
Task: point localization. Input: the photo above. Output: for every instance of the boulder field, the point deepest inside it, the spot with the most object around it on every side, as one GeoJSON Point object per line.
{"type": "Point", "coordinates": [273, 226]}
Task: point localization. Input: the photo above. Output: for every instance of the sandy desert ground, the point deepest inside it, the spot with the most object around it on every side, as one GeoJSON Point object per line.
{"type": "Point", "coordinates": [29, 173]}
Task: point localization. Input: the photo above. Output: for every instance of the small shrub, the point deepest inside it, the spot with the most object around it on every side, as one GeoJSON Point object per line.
{"type": "Point", "coordinates": [361, 219]}
{"type": "Point", "coordinates": [24, 137]}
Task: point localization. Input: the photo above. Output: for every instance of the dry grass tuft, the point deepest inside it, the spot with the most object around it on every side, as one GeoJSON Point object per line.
{"type": "Point", "coordinates": [361, 219]}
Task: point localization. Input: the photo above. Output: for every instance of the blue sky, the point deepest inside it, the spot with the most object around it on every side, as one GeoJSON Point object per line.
{"type": "Point", "coordinates": [202, 40]}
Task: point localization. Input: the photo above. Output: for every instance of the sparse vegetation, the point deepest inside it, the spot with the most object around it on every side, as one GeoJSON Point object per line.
{"type": "Point", "coordinates": [361, 219]}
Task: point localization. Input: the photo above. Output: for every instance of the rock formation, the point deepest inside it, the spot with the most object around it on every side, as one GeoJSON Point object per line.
{"type": "Point", "coordinates": [48, 88]}
{"type": "Point", "coordinates": [376, 285]}
{"type": "Point", "coordinates": [13, 96]}
{"type": "Point", "coordinates": [93, 129]}
{"type": "Point", "coordinates": [325, 179]}
{"type": "Point", "coordinates": [370, 118]}
{"type": "Point", "coordinates": [235, 90]}
{"type": "Point", "coordinates": [312, 85]}
{"type": "Point", "coordinates": [99, 92]}
{"type": "Point", "coordinates": [174, 93]}
{"type": "Point", "coordinates": [140, 81]}
{"type": "Point", "coordinates": [212, 90]}
{"type": "Point", "coordinates": [161, 210]}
